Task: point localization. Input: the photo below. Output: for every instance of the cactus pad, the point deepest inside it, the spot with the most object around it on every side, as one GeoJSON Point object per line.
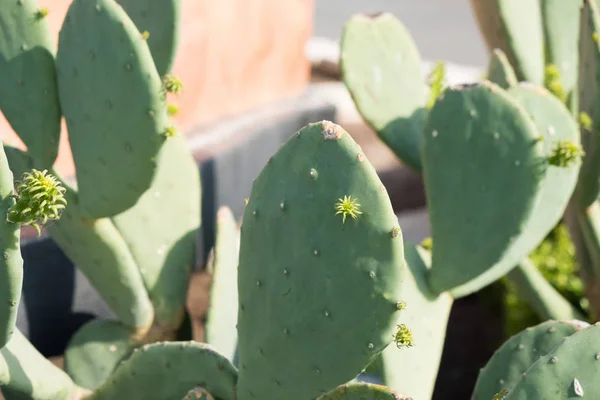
{"type": "Point", "coordinates": [500, 71]}
{"type": "Point", "coordinates": [381, 68]}
{"type": "Point", "coordinates": [26, 374]}
{"type": "Point", "coordinates": [180, 367]}
{"type": "Point", "coordinates": [222, 315]}
{"type": "Point", "coordinates": [561, 23]}
{"type": "Point", "coordinates": [515, 27]}
{"type": "Point", "coordinates": [414, 370]}
{"type": "Point", "coordinates": [111, 96]}
{"type": "Point", "coordinates": [474, 218]}
{"type": "Point", "coordinates": [170, 209]}
{"type": "Point", "coordinates": [11, 262]}
{"type": "Point", "coordinates": [95, 351]}
{"type": "Point", "coordinates": [28, 79]}
{"type": "Point", "coordinates": [161, 19]}
{"type": "Point", "coordinates": [589, 83]}
{"type": "Point", "coordinates": [569, 371]}
{"type": "Point", "coordinates": [362, 391]}
{"type": "Point", "coordinates": [306, 277]}
{"type": "Point", "coordinates": [518, 353]}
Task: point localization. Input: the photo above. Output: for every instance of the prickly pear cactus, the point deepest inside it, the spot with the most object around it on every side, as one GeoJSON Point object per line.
{"type": "Point", "coordinates": [28, 79]}
{"type": "Point", "coordinates": [112, 99]}
{"type": "Point", "coordinates": [186, 363]}
{"type": "Point", "coordinates": [561, 23]}
{"type": "Point", "coordinates": [516, 355]}
{"type": "Point", "coordinates": [414, 369]}
{"type": "Point", "coordinates": [323, 204]}
{"type": "Point", "coordinates": [469, 206]}
{"type": "Point", "coordinates": [11, 262]}
{"type": "Point", "coordinates": [381, 68]}
{"type": "Point", "coordinates": [95, 350]}
{"type": "Point", "coordinates": [26, 374]}
{"type": "Point", "coordinates": [166, 257]}
{"type": "Point", "coordinates": [161, 20]}
{"type": "Point", "coordinates": [503, 27]}
{"type": "Point", "coordinates": [222, 316]}
{"type": "Point", "coordinates": [363, 391]}
{"type": "Point", "coordinates": [588, 188]}
{"type": "Point", "coordinates": [99, 252]}
{"type": "Point", "coordinates": [500, 71]}
{"type": "Point", "coordinates": [569, 371]}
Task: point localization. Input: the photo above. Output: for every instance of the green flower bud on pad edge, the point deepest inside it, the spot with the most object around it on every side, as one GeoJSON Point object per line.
{"type": "Point", "coordinates": [565, 153]}
{"type": "Point", "coordinates": [39, 198]}
{"type": "Point", "coordinates": [172, 84]}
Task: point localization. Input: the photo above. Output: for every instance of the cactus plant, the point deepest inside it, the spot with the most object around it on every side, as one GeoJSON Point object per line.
{"type": "Point", "coordinates": [273, 278]}
{"type": "Point", "coordinates": [523, 187]}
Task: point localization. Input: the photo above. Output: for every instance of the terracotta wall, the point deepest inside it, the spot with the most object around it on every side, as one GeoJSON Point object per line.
{"type": "Point", "coordinates": [234, 55]}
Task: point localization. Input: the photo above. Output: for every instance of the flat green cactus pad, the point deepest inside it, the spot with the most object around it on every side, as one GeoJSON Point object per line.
{"type": "Point", "coordinates": [561, 22]}
{"type": "Point", "coordinates": [414, 370]}
{"type": "Point", "coordinates": [500, 71]}
{"type": "Point", "coordinates": [114, 105]}
{"type": "Point", "coordinates": [95, 351]}
{"type": "Point", "coordinates": [170, 210]}
{"type": "Point", "coordinates": [381, 68]}
{"type": "Point", "coordinates": [588, 188]}
{"type": "Point", "coordinates": [167, 371]}
{"type": "Point", "coordinates": [221, 319]}
{"type": "Point", "coordinates": [161, 19]}
{"type": "Point", "coordinates": [515, 27]}
{"type": "Point", "coordinates": [518, 353]}
{"type": "Point", "coordinates": [99, 252]}
{"type": "Point", "coordinates": [483, 167]}
{"type": "Point", "coordinates": [26, 374]}
{"type": "Point", "coordinates": [556, 128]}
{"type": "Point", "coordinates": [11, 262]}
{"type": "Point", "coordinates": [569, 371]}
{"type": "Point", "coordinates": [362, 391]}
{"type": "Point", "coordinates": [321, 259]}
{"type": "Point", "coordinates": [28, 79]}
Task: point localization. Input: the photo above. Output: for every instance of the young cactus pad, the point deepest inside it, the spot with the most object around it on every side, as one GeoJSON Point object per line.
{"type": "Point", "coordinates": [381, 68]}
{"type": "Point", "coordinates": [569, 371]}
{"type": "Point", "coordinates": [29, 98]}
{"type": "Point", "coordinates": [500, 71]}
{"type": "Point", "coordinates": [111, 96]}
{"type": "Point", "coordinates": [504, 26]}
{"type": "Point", "coordinates": [317, 296]}
{"type": "Point", "coordinates": [518, 353]}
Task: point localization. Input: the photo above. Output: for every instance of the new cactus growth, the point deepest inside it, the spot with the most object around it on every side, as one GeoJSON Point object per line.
{"type": "Point", "coordinates": [39, 198]}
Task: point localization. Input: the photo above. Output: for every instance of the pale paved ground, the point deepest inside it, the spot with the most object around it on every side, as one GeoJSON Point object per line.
{"type": "Point", "coordinates": [442, 29]}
